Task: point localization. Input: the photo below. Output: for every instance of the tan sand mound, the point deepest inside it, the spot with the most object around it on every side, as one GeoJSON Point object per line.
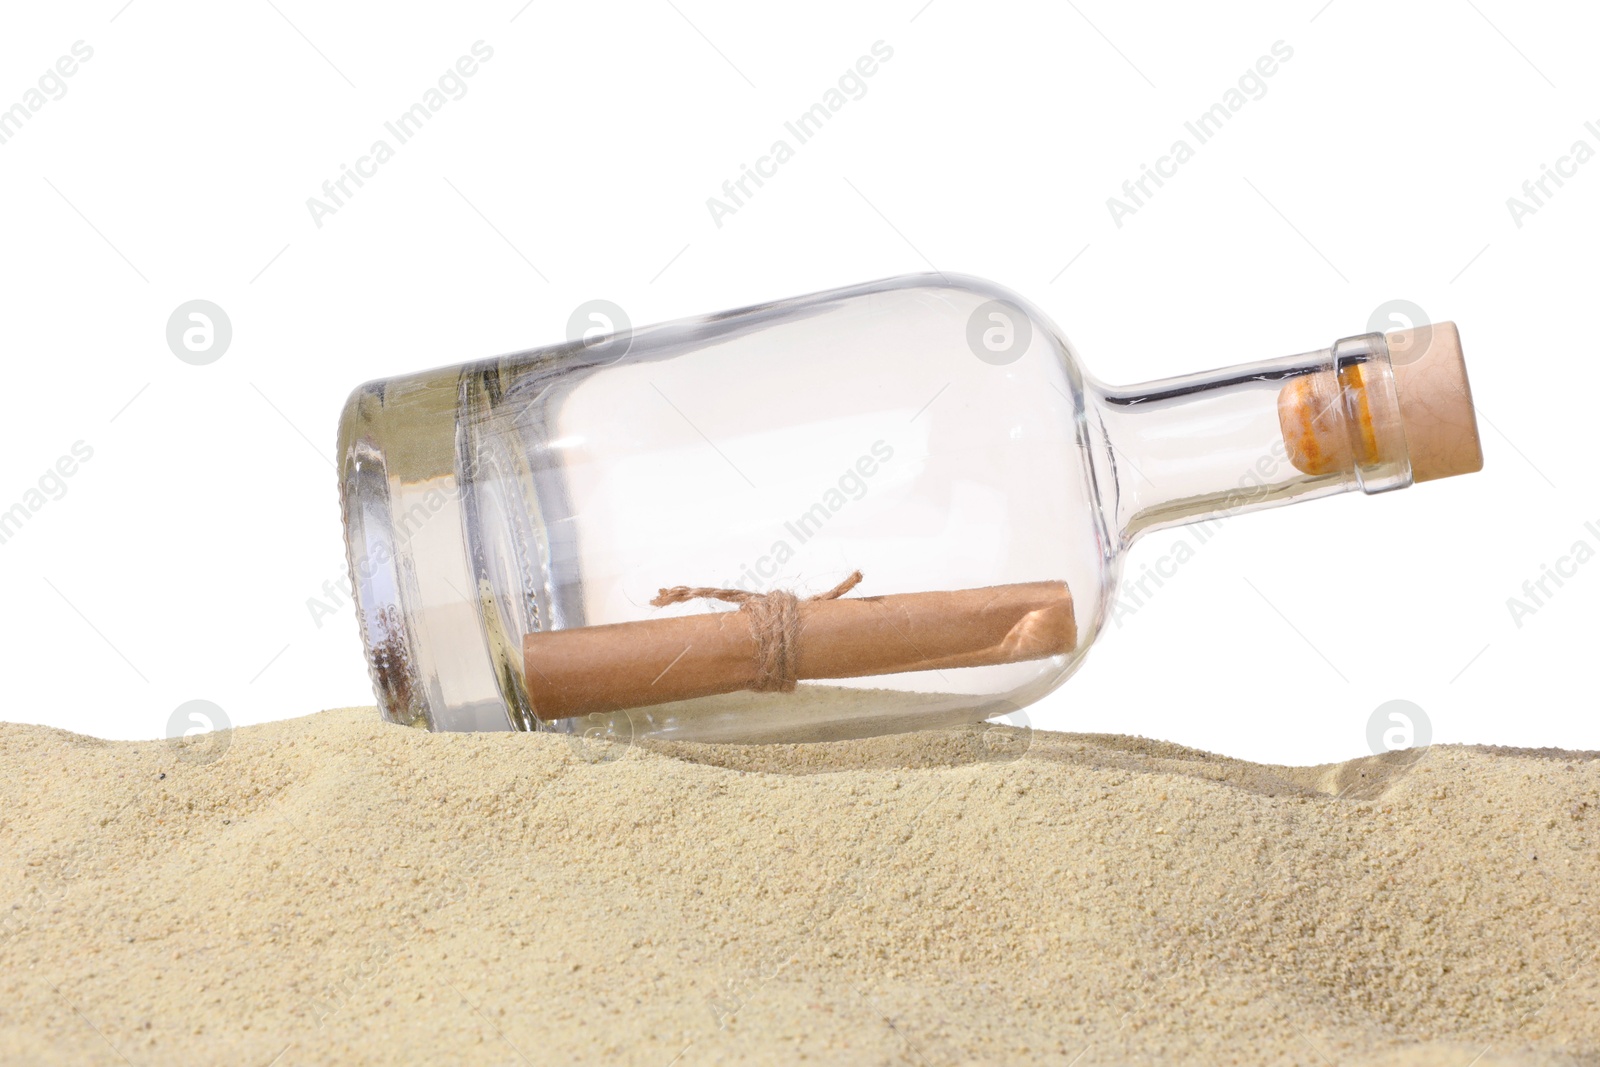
{"type": "Point", "coordinates": [337, 890]}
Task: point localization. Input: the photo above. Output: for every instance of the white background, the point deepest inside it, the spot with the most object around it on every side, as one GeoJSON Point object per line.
{"type": "Point", "coordinates": [179, 563]}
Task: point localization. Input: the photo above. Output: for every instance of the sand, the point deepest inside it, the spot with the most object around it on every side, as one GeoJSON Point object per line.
{"type": "Point", "coordinates": [334, 889]}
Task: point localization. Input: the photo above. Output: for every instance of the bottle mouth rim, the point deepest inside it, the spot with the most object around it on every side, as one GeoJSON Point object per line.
{"type": "Point", "coordinates": [1373, 421]}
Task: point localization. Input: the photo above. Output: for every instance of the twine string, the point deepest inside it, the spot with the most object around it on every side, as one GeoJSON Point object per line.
{"type": "Point", "coordinates": [774, 622]}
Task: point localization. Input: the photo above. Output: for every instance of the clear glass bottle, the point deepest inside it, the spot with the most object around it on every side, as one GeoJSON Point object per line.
{"type": "Point", "coordinates": [934, 432]}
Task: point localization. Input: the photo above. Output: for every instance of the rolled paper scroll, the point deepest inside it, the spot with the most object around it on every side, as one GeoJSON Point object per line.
{"type": "Point", "coordinates": [655, 661]}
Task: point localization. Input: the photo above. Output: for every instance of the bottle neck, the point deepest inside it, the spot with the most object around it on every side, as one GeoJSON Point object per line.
{"type": "Point", "coordinates": [1210, 445]}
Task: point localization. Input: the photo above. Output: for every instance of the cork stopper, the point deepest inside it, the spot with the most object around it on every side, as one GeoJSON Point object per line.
{"type": "Point", "coordinates": [1430, 396]}
{"type": "Point", "coordinates": [1430, 383]}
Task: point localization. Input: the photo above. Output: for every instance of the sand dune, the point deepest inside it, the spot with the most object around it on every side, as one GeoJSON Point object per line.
{"type": "Point", "coordinates": [333, 889]}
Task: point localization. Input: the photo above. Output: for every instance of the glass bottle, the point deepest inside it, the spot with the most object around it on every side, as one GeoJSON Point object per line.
{"type": "Point", "coordinates": [935, 433]}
